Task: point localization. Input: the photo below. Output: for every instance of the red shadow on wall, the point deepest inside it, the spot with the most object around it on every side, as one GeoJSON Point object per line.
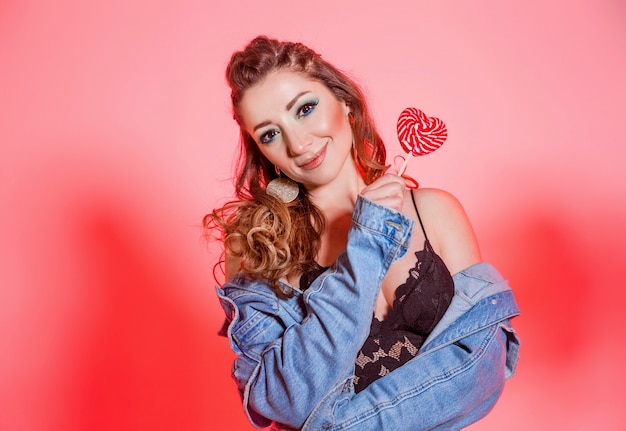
{"type": "Point", "coordinates": [116, 327]}
{"type": "Point", "coordinates": [569, 360]}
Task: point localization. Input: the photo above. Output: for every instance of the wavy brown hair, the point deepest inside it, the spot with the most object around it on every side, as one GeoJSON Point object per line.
{"type": "Point", "coordinates": [272, 239]}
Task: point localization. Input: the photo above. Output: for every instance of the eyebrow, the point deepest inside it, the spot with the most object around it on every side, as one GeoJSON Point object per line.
{"type": "Point", "coordinates": [287, 108]}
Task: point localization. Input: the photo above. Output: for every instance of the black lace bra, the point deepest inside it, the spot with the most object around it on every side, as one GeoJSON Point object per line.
{"type": "Point", "coordinates": [420, 303]}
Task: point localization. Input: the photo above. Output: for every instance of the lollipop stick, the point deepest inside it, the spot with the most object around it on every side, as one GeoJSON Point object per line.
{"type": "Point", "coordinates": [404, 165]}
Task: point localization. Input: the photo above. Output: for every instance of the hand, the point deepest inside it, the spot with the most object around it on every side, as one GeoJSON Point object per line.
{"type": "Point", "coordinates": [388, 190]}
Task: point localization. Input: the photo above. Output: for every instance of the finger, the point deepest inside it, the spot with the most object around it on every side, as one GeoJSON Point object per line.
{"type": "Point", "coordinates": [410, 182]}
{"type": "Point", "coordinates": [387, 180]}
{"type": "Point", "coordinates": [387, 191]}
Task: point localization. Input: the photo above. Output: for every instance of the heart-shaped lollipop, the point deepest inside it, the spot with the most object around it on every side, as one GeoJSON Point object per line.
{"type": "Point", "coordinates": [419, 134]}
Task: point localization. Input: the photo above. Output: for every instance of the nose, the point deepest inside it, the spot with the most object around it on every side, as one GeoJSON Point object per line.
{"type": "Point", "coordinates": [297, 141]}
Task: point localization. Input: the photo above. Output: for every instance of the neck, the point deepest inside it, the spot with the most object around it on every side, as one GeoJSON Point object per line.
{"type": "Point", "coordinates": [339, 196]}
{"type": "Point", "coordinates": [336, 200]}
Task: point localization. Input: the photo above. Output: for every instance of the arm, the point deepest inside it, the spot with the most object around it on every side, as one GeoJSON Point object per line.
{"type": "Point", "coordinates": [454, 381]}
{"type": "Point", "coordinates": [284, 372]}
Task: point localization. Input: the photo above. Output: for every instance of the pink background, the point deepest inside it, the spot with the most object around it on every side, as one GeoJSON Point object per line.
{"type": "Point", "coordinates": [116, 137]}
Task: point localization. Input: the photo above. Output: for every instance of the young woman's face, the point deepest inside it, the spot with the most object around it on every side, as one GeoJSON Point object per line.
{"type": "Point", "coordinates": [300, 126]}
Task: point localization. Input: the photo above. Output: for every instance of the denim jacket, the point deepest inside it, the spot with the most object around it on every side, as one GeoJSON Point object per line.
{"type": "Point", "coordinates": [295, 356]}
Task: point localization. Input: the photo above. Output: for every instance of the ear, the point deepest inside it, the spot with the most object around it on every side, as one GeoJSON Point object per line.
{"type": "Point", "coordinates": [346, 108]}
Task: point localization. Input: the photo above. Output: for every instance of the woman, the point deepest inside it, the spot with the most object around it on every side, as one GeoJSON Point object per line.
{"type": "Point", "coordinates": [340, 302]}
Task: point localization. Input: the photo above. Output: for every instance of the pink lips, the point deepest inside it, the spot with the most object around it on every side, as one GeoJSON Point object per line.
{"type": "Point", "coordinates": [314, 161]}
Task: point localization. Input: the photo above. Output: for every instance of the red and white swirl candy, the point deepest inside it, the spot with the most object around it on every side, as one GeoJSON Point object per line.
{"type": "Point", "coordinates": [419, 134]}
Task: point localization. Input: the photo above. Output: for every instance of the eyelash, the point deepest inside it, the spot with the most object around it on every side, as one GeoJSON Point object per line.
{"type": "Point", "coordinates": [303, 111]}
{"type": "Point", "coordinates": [310, 106]}
{"type": "Point", "coordinates": [268, 136]}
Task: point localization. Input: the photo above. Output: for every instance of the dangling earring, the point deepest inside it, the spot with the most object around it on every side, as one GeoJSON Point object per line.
{"type": "Point", "coordinates": [283, 188]}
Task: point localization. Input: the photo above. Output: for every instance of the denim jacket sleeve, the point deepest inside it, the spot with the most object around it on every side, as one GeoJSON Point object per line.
{"type": "Point", "coordinates": [455, 379]}
{"type": "Point", "coordinates": [284, 367]}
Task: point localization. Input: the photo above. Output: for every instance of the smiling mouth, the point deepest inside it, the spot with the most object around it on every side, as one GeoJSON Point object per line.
{"type": "Point", "coordinates": [314, 161]}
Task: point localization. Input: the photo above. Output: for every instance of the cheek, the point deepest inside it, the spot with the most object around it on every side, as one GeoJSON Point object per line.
{"type": "Point", "coordinates": [337, 123]}
{"type": "Point", "coordinates": [344, 130]}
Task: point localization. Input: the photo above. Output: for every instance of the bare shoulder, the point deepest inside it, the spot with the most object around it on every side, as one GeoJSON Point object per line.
{"type": "Point", "coordinates": [436, 200]}
{"type": "Point", "coordinates": [448, 227]}
{"type": "Point", "coordinates": [438, 207]}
